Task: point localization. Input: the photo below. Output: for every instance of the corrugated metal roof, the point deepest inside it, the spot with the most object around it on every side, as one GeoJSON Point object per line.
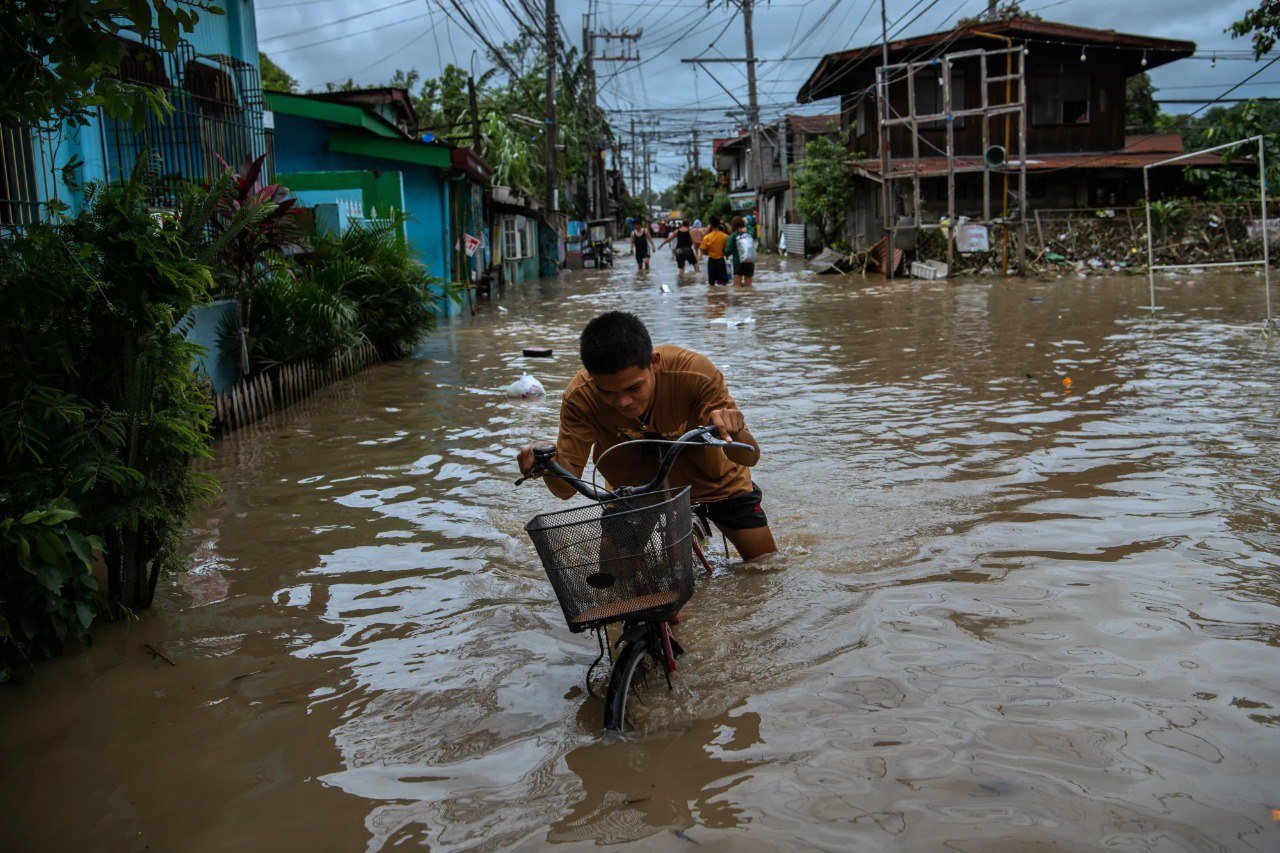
{"type": "Point", "coordinates": [1127, 159]}
{"type": "Point", "coordinates": [814, 124]}
{"type": "Point", "coordinates": [831, 76]}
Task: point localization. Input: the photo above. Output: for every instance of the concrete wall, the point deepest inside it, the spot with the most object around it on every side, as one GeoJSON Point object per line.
{"type": "Point", "coordinates": [203, 326]}
{"type": "Point", "coordinates": [301, 146]}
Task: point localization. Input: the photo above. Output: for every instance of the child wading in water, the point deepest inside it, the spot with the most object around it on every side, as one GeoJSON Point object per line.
{"type": "Point", "coordinates": [742, 251]}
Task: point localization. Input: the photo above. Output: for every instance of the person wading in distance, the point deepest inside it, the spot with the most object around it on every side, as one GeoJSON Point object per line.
{"type": "Point", "coordinates": [713, 243]}
{"type": "Point", "coordinates": [742, 251]}
{"type": "Point", "coordinates": [685, 251]}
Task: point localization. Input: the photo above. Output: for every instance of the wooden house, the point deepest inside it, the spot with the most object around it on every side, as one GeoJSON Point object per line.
{"type": "Point", "coordinates": [1078, 152]}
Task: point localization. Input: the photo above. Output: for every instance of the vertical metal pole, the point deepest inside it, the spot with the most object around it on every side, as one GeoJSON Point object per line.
{"type": "Point", "coordinates": [1151, 273]}
{"type": "Point", "coordinates": [697, 171]}
{"type": "Point", "coordinates": [475, 114]}
{"type": "Point", "coordinates": [1266, 240]}
{"type": "Point", "coordinates": [753, 105]}
{"type": "Point", "coordinates": [552, 38]}
{"type": "Point", "coordinates": [915, 147]}
{"type": "Point", "coordinates": [635, 189]}
{"type": "Point", "coordinates": [951, 163]}
{"type": "Point", "coordinates": [1008, 96]}
{"type": "Point", "coordinates": [1022, 163]}
{"type": "Point", "coordinates": [886, 182]}
{"type": "Point", "coordinates": [986, 141]}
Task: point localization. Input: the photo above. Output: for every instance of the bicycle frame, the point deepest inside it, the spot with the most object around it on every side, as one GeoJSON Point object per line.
{"type": "Point", "coordinates": [655, 636]}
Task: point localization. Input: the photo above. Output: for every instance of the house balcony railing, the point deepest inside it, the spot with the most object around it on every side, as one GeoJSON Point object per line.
{"type": "Point", "coordinates": [217, 117]}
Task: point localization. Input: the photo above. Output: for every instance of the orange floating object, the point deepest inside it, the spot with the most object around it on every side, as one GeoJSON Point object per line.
{"type": "Point", "coordinates": [1066, 382]}
{"type": "Point", "coordinates": [1275, 815]}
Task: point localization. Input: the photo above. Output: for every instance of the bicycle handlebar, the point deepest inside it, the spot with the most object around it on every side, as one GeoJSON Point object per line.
{"type": "Point", "coordinates": [544, 463]}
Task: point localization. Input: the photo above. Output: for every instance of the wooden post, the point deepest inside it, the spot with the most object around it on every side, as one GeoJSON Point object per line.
{"type": "Point", "coordinates": [951, 166]}
{"type": "Point", "coordinates": [1022, 163]}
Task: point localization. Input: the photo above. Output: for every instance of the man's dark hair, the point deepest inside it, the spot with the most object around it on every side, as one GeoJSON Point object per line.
{"type": "Point", "coordinates": [715, 222]}
{"type": "Point", "coordinates": [613, 342]}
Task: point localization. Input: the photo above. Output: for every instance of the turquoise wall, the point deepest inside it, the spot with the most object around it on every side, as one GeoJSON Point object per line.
{"type": "Point", "coordinates": [203, 326]}
{"type": "Point", "coordinates": [233, 34]}
{"type": "Point", "coordinates": [301, 146]}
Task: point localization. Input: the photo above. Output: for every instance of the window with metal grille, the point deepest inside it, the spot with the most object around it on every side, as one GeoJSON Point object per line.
{"type": "Point", "coordinates": [217, 117]}
{"type": "Point", "coordinates": [526, 238]}
{"type": "Point", "coordinates": [26, 184]}
{"type": "Point", "coordinates": [510, 242]}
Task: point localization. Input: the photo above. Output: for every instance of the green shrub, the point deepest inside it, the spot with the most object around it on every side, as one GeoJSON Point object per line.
{"type": "Point", "coordinates": [363, 286]}
{"type": "Point", "coordinates": [98, 401]}
{"type": "Point", "coordinates": [396, 299]}
{"type": "Point", "coordinates": [47, 588]}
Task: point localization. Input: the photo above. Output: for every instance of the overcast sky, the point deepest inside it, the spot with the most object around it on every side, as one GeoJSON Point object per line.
{"type": "Point", "coordinates": [319, 41]}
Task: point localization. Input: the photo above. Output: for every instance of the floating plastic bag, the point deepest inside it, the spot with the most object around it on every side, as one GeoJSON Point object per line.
{"type": "Point", "coordinates": [733, 321]}
{"type": "Point", "coordinates": [527, 387]}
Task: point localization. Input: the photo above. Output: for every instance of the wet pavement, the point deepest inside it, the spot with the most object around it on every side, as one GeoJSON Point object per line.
{"type": "Point", "coordinates": [1007, 615]}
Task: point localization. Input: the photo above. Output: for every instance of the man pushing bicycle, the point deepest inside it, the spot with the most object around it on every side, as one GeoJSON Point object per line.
{"type": "Point", "coordinates": [630, 390]}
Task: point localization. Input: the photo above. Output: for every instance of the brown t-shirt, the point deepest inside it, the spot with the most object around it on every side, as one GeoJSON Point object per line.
{"type": "Point", "coordinates": [688, 388]}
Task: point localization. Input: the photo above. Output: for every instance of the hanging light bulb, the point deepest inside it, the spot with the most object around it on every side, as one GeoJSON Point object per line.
{"type": "Point", "coordinates": [1082, 56]}
{"type": "Point", "coordinates": [1026, 50]}
{"type": "Point", "coordinates": [1144, 59]}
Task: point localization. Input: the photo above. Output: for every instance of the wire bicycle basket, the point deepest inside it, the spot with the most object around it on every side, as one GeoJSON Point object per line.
{"type": "Point", "coordinates": [630, 558]}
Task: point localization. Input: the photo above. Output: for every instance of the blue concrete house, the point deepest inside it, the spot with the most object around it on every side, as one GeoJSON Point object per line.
{"type": "Point", "coordinates": [213, 83]}
{"type": "Point", "coordinates": [358, 149]}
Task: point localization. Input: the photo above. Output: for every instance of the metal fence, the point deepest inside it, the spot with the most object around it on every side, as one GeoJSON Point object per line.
{"type": "Point", "coordinates": [26, 178]}
{"type": "Point", "coordinates": [217, 117]}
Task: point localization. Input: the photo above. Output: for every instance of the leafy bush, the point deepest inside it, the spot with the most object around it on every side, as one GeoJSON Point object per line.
{"type": "Point", "coordinates": [255, 224]}
{"type": "Point", "coordinates": [100, 404]}
{"type": "Point", "coordinates": [824, 185]}
{"type": "Point", "coordinates": [302, 316]}
{"type": "Point", "coordinates": [362, 286]}
{"type": "Point", "coordinates": [396, 299]}
{"type": "Point", "coordinates": [47, 588]}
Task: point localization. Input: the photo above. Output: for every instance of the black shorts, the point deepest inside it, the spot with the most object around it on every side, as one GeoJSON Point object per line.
{"type": "Point", "coordinates": [747, 269]}
{"type": "Point", "coordinates": [685, 256]}
{"type": "Point", "coordinates": [740, 512]}
{"type": "Point", "coordinates": [641, 257]}
{"type": "Point", "coordinates": [717, 271]}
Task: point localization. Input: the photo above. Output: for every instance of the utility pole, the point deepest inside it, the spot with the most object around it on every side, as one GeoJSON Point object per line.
{"type": "Point", "coordinates": [886, 183]}
{"type": "Point", "coordinates": [628, 54]}
{"type": "Point", "coordinates": [648, 174]}
{"type": "Point", "coordinates": [635, 186]}
{"type": "Point", "coordinates": [475, 114]}
{"type": "Point", "coordinates": [753, 103]}
{"type": "Point", "coordinates": [592, 164]}
{"type": "Point", "coordinates": [753, 106]}
{"type": "Point", "coordinates": [697, 170]}
{"type": "Point", "coordinates": [552, 39]}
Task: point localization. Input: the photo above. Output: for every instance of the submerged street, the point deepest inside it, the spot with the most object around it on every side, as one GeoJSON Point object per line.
{"type": "Point", "coordinates": [1007, 613]}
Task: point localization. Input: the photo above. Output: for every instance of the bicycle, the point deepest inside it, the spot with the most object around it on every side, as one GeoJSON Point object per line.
{"type": "Point", "coordinates": [627, 557]}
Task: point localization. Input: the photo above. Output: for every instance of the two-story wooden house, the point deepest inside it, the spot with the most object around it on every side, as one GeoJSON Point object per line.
{"type": "Point", "coordinates": [1078, 154]}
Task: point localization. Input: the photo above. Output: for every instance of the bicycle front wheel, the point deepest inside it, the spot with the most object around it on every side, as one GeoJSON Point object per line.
{"type": "Point", "coordinates": [633, 658]}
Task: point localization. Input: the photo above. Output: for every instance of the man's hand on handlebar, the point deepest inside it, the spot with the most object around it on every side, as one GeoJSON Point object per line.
{"type": "Point", "coordinates": [729, 422]}
{"type": "Point", "coordinates": [529, 462]}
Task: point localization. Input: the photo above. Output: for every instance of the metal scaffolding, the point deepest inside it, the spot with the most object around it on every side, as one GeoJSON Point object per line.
{"type": "Point", "coordinates": [1268, 325]}
{"type": "Point", "coordinates": [1014, 76]}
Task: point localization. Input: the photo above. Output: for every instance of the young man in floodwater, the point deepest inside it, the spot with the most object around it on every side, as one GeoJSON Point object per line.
{"type": "Point", "coordinates": [630, 389]}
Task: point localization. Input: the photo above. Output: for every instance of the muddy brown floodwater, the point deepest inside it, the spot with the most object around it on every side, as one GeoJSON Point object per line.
{"type": "Point", "coordinates": [1005, 617]}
